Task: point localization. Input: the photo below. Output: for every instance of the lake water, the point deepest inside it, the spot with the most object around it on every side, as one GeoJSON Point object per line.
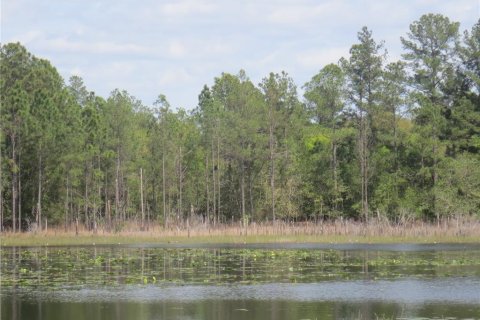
{"type": "Point", "coordinates": [258, 281]}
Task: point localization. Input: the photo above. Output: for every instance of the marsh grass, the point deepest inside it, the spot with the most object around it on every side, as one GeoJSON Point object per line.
{"type": "Point", "coordinates": [339, 231]}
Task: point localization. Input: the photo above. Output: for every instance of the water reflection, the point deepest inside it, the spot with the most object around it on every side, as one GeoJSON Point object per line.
{"type": "Point", "coordinates": [252, 282]}
{"type": "Point", "coordinates": [235, 309]}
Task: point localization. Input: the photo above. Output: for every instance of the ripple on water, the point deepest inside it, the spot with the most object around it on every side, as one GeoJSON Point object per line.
{"type": "Point", "coordinates": [408, 291]}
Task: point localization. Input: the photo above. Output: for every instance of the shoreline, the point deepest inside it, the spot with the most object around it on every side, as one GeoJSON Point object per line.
{"type": "Point", "coordinates": [332, 232]}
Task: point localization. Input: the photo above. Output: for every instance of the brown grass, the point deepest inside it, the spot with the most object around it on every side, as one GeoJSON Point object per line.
{"type": "Point", "coordinates": [334, 231]}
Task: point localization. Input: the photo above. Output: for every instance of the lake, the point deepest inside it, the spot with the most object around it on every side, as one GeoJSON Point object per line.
{"type": "Point", "coordinates": [256, 281]}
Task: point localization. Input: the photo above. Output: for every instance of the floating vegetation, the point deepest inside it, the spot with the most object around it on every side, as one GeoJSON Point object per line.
{"type": "Point", "coordinates": [98, 266]}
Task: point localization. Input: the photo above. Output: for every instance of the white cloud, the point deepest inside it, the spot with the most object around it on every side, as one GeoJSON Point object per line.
{"type": "Point", "coordinates": [303, 13]}
{"type": "Point", "coordinates": [316, 59]}
{"type": "Point", "coordinates": [174, 77]}
{"type": "Point", "coordinates": [76, 71]}
{"type": "Point", "coordinates": [214, 47]}
{"type": "Point", "coordinates": [187, 7]}
{"type": "Point", "coordinates": [175, 46]}
{"type": "Point", "coordinates": [94, 47]}
{"type": "Point", "coordinates": [176, 49]}
{"type": "Point", "coordinates": [27, 37]}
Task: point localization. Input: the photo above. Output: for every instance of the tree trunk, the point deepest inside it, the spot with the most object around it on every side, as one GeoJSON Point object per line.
{"type": "Point", "coordinates": [250, 194]}
{"type": "Point", "coordinates": [334, 165]}
{"type": "Point", "coordinates": [1, 189]}
{"type": "Point", "coordinates": [154, 191]}
{"type": "Point", "coordinates": [141, 199]}
{"type": "Point", "coordinates": [85, 204]}
{"type": "Point", "coordinates": [207, 190]}
{"type": "Point", "coordinates": [365, 169]}
{"type": "Point", "coordinates": [39, 200]}
{"type": "Point", "coordinates": [164, 191]}
{"type": "Point", "coordinates": [123, 200]}
{"type": "Point", "coordinates": [395, 150]}
{"type": "Point", "coordinates": [364, 164]}
{"type": "Point", "coordinates": [242, 187]}
{"type": "Point", "coordinates": [180, 185]}
{"type": "Point", "coordinates": [19, 196]}
{"type": "Point", "coordinates": [366, 161]}
{"type": "Point", "coordinates": [434, 180]}
{"type": "Point", "coordinates": [335, 175]}
{"type": "Point", "coordinates": [117, 187]}
{"type": "Point", "coordinates": [108, 215]}
{"type": "Point", "coordinates": [272, 164]}
{"type": "Point", "coordinates": [66, 205]}
{"type": "Point", "coordinates": [218, 181]}
{"type": "Point", "coordinates": [14, 183]}
{"type": "Point", "coordinates": [76, 225]}
{"type": "Point", "coordinates": [213, 178]}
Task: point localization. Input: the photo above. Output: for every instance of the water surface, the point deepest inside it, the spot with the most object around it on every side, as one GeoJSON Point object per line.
{"type": "Point", "coordinates": [257, 281]}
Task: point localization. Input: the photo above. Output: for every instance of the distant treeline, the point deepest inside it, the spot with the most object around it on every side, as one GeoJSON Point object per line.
{"type": "Point", "coordinates": [369, 138]}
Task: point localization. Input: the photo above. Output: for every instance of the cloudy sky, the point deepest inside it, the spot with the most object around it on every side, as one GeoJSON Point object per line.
{"type": "Point", "coordinates": [148, 47]}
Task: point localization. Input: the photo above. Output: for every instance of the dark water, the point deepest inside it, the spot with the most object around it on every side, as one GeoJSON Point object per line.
{"type": "Point", "coordinates": [274, 281]}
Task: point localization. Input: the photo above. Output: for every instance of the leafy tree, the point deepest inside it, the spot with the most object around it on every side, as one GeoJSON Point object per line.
{"type": "Point", "coordinates": [364, 70]}
{"type": "Point", "coordinates": [389, 154]}
{"type": "Point", "coordinates": [281, 103]}
{"type": "Point", "coordinates": [325, 95]}
{"type": "Point", "coordinates": [400, 140]}
{"type": "Point", "coordinates": [431, 50]}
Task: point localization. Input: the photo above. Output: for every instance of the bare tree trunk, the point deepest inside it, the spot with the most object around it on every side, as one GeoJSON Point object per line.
{"type": "Point", "coordinates": [123, 200]}
{"type": "Point", "coordinates": [148, 213]}
{"type": "Point", "coordinates": [19, 196]}
{"type": "Point", "coordinates": [250, 194]}
{"type": "Point", "coordinates": [213, 178]}
{"type": "Point", "coordinates": [363, 165]}
{"type": "Point", "coordinates": [207, 190]}
{"type": "Point", "coordinates": [180, 185]}
{"type": "Point", "coordinates": [395, 144]}
{"type": "Point", "coordinates": [366, 169]}
{"type": "Point", "coordinates": [334, 164]}
{"type": "Point", "coordinates": [117, 187]}
{"type": "Point", "coordinates": [272, 164]}
{"type": "Point", "coordinates": [242, 187]}
{"type": "Point", "coordinates": [395, 150]}
{"type": "Point", "coordinates": [335, 174]}
{"type": "Point", "coordinates": [218, 181]}
{"type": "Point", "coordinates": [366, 185]}
{"type": "Point", "coordinates": [71, 206]}
{"type": "Point", "coordinates": [97, 208]}
{"type": "Point", "coordinates": [141, 199]}
{"type": "Point", "coordinates": [85, 203]}
{"type": "Point", "coordinates": [154, 192]}
{"type": "Point", "coordinates": [1, 189]}
{"type": "Point", "coordinates": [108, 215]}
{"type": "Point", "coordinates": [39, 200]}
{"type": "Point", "coordinates": [164, 191]}
{"type": "Point", "coordinates": [434, 179]}
{"type": "Point", "coordinates": [14, 183]}
{"type": "Point", "coordinates": [76, 223]}
{"type": "Point", "coordinates": [66, 205]}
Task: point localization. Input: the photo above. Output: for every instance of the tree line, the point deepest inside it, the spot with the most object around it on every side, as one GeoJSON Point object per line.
{"type": "Point", "coordinates": [369, 139]}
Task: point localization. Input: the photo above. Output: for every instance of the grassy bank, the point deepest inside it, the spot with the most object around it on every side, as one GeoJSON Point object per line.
{"type": "Point", "coordinates": [332, 232]}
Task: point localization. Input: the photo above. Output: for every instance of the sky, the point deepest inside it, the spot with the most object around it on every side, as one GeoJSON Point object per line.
{"type": "Point", "coordinates": [174, 47]}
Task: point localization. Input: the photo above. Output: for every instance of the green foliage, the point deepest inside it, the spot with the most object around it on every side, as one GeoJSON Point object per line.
{"type": "Point", "coordinates": [399, 140]}
{"type": "Point", "coordinates": [458, 189]}
{"type": "Point", "coordinates": [313, 141]}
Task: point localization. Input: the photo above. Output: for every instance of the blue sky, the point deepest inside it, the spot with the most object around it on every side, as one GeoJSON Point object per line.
{"type": "Point", "coordinates": [148, 47]}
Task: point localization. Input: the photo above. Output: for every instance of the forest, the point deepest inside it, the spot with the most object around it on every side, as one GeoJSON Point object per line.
{"type": "Point", "coordinates": [368, 138]}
